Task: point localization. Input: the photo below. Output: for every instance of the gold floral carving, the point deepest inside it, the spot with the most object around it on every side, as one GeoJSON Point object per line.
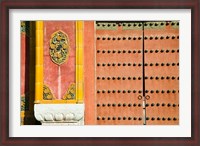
{"type": "Point", "coordinates": [59, 47]}
{"type": "Point", "coordinates": [47, 94]}
{"type": "Point", "coordinates": [71, 92]}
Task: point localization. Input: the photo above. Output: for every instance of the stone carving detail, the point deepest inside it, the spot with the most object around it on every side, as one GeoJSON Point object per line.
{"type": "Point", "coordinates": [69, 114]}
{"type": "Point", "coordinates": [59, 47]}
{"type": "Point", "coordinates": [47, 94]}
{"type": "Point", "coordinates": [71, 92]}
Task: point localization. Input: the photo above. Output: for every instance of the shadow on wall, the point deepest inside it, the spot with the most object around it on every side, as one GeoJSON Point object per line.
{"type": "Point", "coordinates": [27, 101]}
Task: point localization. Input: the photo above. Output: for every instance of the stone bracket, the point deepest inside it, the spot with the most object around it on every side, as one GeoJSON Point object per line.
{"type": "Point", "coordinates": [59, 114]}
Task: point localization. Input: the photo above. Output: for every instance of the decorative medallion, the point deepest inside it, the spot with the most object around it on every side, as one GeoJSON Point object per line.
{"type": "Point", "coordinates": [24, 103]}
{"type": "Point", "coordinates": [47, 94]}
{"type": "Point", "coordinates": [59, 47]}
{"type": "Point", "coordinates": [71, 92]}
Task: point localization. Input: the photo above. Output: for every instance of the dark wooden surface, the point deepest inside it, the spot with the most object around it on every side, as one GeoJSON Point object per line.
{"type": "Point", "coordinates": [113, 4]}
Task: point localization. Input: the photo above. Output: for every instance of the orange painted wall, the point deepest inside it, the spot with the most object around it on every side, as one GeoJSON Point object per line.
{"type": "Point", "coordinates": [89, 73]}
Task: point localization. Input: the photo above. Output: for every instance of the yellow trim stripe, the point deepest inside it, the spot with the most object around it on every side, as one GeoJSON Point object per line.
{"type": "Point", "coordinates": [39, 62]}
{"type": "Point", "coordinates": [79, 62]}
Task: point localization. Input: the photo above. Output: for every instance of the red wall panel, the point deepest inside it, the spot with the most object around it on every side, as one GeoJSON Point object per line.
{"type": "Point", "coordinates": [59, 81]}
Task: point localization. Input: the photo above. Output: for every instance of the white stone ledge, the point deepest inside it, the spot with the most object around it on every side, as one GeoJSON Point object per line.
{"type": "Point", "coordinates": [59, 114]}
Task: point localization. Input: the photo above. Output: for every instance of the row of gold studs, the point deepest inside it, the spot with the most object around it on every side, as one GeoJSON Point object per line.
{"type": "Point", "coordinates": [139, 105]}
{"type": "Point", "coordinates": [139, 64]}
{"type": "Point", "coordinates": [119, 118]}
{"type": "Point", "coordinates": [136, 38]}
{"type": "Point", "coordinates": [136, 24]}
{"type": "Point", "coordinates": [138, 118]}
{"type": "Point", "coordinates": [139, 91]}
{"type": "Point", "coordinates": [137, 51]}
{"type": "Point", "coordinates": [139, 78]}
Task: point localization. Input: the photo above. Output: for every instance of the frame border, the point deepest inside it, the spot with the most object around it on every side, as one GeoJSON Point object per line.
{"type": "Point", "coordinates": [88, 4]}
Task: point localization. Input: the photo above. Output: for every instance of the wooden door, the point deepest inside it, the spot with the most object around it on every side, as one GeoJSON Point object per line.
{"type": "Point", "coordinates": [137, 73]}
{"type": "Point", "coordinates": [118, 73]}
{"type": "Point", "coordinates": [161, 44]}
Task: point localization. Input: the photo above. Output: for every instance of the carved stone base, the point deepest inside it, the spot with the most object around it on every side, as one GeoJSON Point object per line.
{"type": "Point", "coordinates": [59, 114]}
